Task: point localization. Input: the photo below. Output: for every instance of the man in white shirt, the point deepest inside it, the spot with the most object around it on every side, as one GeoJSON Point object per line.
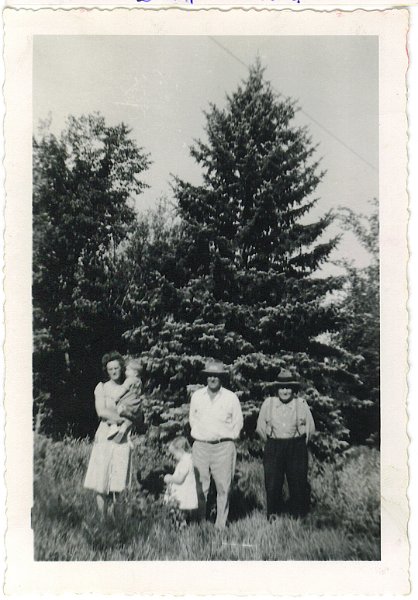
{"type": "Point", "coordinates": [216, 421]}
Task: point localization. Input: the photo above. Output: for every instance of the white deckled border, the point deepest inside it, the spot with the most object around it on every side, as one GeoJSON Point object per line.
{"type": "Point", "coordinates": [390, 575]}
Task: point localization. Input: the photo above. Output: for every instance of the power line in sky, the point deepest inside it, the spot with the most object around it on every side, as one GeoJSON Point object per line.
{"type": "Point", "coordinates": [328, 131]}
{"type": "Point", "coordinates": [228, 51]}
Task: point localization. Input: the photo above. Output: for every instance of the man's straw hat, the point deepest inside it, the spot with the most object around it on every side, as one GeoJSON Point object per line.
{"type": "Point", "coordinates": [214, 367]}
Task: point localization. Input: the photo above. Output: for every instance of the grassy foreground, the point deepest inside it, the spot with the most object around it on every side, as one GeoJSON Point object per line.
{"type": "Point", "coordinates": [344, 523]}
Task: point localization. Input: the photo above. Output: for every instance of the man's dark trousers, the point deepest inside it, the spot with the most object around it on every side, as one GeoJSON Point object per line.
{"type": "Point", "coordinates": [286, 457]}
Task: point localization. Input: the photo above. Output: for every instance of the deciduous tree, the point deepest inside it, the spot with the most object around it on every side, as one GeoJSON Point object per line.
{"type": "Point", "coordinates": [360, 334]}
{"type": "Point", "coordinates": [85, 183]}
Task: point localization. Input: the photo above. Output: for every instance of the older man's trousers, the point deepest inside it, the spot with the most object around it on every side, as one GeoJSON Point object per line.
{"type": "Point", "coordinates": [286, 457]}
{"type": "Point", "coordinates": [219, 461]}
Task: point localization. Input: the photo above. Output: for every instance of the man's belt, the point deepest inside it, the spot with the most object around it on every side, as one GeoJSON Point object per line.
{"type": "Point", "coordinates": [294, 437]}
{"type": "Point", "coordinates": [216, 441]}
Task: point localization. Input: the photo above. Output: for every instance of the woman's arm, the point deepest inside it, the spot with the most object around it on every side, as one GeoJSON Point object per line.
{"type": "Point", "coordinates": [106, 414]}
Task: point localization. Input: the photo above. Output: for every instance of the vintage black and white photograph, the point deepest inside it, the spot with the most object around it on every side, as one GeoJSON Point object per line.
{"type": "Point", "coordinates": [206, 298]}
{"type": "Point", "coordinates": [206, 302]}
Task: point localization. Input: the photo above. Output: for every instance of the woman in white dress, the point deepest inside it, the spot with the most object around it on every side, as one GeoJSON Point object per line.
{"type": "Point", "coordinates": [109, 468]}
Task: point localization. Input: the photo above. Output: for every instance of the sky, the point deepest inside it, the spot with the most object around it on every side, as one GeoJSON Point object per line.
{"type": "Point", "coordinates": [160, 87]}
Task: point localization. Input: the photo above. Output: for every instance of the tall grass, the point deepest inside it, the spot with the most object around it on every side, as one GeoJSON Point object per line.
{"type": "Point", "coordinates": [344, 523]}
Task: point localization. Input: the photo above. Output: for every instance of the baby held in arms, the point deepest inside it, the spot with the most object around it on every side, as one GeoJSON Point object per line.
{"type": "Point", "coordinates": [128, 403]}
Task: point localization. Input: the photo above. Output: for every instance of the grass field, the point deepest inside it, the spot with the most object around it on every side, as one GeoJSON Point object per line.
{"type": "Point", "coordinates": [344, 523]}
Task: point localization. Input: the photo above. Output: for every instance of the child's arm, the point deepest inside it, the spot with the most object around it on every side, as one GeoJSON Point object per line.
{"type": "Point", "coordinates": [178, 476]}
{"type": "Point", "coordinates": [124, 388]}
{"type": "Point", "coordinates": [175, 478]}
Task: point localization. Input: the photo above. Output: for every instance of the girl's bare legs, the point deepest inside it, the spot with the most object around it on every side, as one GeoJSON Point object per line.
{"type": "Point", "coordinates": [103, 504]}
{"type": "Point", "coordinates": [114, 505]}
{"type": "Point", "coordinates": [107, 504]}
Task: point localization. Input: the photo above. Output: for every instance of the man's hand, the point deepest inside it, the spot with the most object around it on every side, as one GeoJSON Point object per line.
{"type": "Point", "coordinates": [167, 478]}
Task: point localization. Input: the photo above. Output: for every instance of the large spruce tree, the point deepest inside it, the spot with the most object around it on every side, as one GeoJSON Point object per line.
{"type": "Point", "coordinates": [259, 175]}
{"type": "Point", "coordinates": [242, 287]}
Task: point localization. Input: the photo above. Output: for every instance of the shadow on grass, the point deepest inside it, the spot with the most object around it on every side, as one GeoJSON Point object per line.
{"type": "Point", "coordinates": [243, 501]}
{"type": "Point", "coordinates": [242, 504]}
{"type": "Point", "coordinates": [153, 482]}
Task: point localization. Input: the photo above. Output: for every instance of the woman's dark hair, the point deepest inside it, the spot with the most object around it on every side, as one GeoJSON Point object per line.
{"type": "Point", "coordinates": [109, 356]}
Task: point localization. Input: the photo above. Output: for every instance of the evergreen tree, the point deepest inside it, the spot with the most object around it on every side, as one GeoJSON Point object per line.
{"type": "Point", "coordinates": [242, 286]}
{"type": "Point", "coordinates": [259, 174]}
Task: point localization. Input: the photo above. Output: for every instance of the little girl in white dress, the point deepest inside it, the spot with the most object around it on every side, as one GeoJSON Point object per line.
{"type": "Point", "coordinates": [181, 485]}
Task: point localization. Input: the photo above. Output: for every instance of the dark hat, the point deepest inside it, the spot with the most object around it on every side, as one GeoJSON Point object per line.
{"type": "Point", "coordinates": [214, 367]}
{"type": "Point", "coordinates": [286, 379]}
